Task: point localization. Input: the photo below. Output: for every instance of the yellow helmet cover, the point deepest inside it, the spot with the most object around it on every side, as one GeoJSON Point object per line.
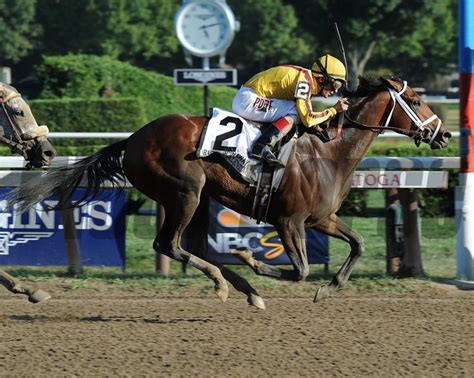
{"type": "Point", "coordinates": [333, 66]}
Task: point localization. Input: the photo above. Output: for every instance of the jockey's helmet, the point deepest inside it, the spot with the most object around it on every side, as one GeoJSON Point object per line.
{"type": "Point", "coordinates": [329, 67]}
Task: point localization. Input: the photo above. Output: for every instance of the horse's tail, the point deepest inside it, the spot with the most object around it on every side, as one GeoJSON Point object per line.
{"type": "Point", "coordinates": [97, 169]}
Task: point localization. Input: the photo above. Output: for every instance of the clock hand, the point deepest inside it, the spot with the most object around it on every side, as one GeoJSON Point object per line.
{"type": "Point", "coordinates": [208, 26]}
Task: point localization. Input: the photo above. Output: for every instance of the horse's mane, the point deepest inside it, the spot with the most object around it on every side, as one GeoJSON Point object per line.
{"type": "Point", "coordinates": [368, 85]}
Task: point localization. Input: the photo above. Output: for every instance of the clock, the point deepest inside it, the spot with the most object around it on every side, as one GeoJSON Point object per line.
{"type": "Point", "coordinates": [205, 28]}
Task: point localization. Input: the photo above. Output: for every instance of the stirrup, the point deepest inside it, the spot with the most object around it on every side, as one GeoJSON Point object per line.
{"type": "Point", "coordinates": [268, 157]}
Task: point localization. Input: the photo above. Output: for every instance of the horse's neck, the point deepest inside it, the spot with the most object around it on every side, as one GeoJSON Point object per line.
{"type": "Point", "coordinates": [346, 151]}
{"type": "Point", "coordinates": [354, 142]}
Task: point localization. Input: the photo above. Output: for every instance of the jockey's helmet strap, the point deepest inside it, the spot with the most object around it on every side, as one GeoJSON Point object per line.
{"type": "Point", "coordinates": [324, 71]}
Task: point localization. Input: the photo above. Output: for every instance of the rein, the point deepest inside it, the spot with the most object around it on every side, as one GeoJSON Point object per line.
{"type": "Point", "coordinates": [17, 146]}
{"type": "Point", "coordinates": [380, 128]}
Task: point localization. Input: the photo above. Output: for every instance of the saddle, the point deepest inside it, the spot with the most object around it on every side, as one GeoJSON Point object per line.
{"type": "Point", "coordinates": [231, 137]}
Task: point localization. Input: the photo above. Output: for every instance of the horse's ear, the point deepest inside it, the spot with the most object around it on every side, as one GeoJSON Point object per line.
{"type": "Point", "coordinates": [392, 82]}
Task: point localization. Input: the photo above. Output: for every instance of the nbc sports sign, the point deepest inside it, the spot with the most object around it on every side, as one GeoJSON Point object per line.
{"type": "Point", "coordinates": [229, 230]}
{"type": "Point", "coordinates": [36, 237]}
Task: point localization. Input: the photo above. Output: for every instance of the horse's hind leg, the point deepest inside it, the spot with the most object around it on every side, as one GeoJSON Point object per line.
{"type": "Point", "coordinates": [335, 227]}
{"type": "Point", "coordinates": [178, 213]}
{"type": "Point", "coordinates": [197, 243]}
{"type": "Point", "coordinates": [13, 285]}
{"type": "Point", "coordinates": [293, 239]}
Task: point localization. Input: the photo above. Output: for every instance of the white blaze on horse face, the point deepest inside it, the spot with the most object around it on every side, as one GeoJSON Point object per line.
{"type": "Point", "coordinates": [21, 113]}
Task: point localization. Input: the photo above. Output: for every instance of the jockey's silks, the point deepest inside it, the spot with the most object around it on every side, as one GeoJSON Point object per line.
{"type": "Point", "coordinates": [289, 82]}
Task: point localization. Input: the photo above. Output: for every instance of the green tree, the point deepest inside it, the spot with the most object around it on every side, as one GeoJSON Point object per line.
{"type": "Point", "coordinates": [269, 35]}
{"type": "Point", "coordinates": [391, 33]}
{"type": "Point", "coordinates": [431, 48]}
{"type": "Point", "coordinates": [139, 31]}
{"type": "Point", "coordinates": [18, 29]}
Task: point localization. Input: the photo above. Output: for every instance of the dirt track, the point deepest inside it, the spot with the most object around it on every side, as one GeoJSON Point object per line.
{"type": "Point", "coordinates": [116, 332]}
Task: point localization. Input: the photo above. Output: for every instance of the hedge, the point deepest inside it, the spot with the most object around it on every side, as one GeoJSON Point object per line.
{"type": "Point", "coordinates": [80, 115]}
{"type": "Point", "coordinates": [89, 77]}
{"type": "Point", "coordinates": [101, 114]}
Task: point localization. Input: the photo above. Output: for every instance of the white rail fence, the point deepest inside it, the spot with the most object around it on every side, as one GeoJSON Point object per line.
{"type": "Point", "coordinates": [372, 172]}
{"type": "Point", "coordinates": [124, 135]}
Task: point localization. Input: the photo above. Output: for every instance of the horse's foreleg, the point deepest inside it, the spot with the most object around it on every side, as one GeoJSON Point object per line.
{"type": "Point", "coordinates": [335, 227]}
{"type": "Point", "coordinates": [13, 285]}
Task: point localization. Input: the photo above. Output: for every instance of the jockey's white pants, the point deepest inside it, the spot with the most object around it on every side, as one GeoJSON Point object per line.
{"type": "Point", "coordinates": [248, 105]}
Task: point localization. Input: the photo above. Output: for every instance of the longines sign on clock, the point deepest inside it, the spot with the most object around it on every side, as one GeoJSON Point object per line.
{"type": "Point", "coordinates": [196, 76]}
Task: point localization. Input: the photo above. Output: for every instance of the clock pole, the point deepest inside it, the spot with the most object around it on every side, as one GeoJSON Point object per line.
{"type": "Point", "coordinates": [206, 66]}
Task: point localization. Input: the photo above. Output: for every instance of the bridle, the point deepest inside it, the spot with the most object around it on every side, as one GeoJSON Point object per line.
{"type": "Point", "coordinates": [421, 125]}
{"type": "Point", "coordinates": [19, 145]}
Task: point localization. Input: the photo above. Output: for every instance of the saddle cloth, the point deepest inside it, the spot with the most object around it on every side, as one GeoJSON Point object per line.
{"type": "Point", "coordinates": [232, 136]}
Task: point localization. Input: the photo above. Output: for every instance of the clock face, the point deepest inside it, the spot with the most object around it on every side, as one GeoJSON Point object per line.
{"type": "Point", "coordinates": [204, 28]}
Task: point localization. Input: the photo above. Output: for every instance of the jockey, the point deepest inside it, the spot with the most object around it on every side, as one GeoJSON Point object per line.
{"type": "Point", "coordinates": [281, 96]}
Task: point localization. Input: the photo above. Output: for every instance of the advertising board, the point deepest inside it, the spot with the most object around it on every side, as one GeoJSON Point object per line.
{"type": "Point", "coordinates": [229, 230]}
{"type": "Point", "coordinates": [36, 237]}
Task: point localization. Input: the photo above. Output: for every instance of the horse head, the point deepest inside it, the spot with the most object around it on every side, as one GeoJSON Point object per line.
{"type": "Point", "coordinates": [20, 131]}
{"type": "Point", "coordinates": [396, 106]}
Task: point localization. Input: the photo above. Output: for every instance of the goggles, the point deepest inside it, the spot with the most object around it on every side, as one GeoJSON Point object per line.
{"type": "Point", "coordinates": [335, 84]}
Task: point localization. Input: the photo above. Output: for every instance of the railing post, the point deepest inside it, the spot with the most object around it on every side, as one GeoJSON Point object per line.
{"type": "Point", "coordinates": [75, 267]}
{"type": "Point", "coordinates": [393, 231]}
{"type": "Point", "coordinates": [411, 264]}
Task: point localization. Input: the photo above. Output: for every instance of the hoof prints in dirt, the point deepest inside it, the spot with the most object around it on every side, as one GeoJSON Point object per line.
{"type": "Point", "coordinates": [105, 319]}
{"type": "Point", "coordinates": [141, 319]}
{"type": "Point", "coordinates": [137, 319]}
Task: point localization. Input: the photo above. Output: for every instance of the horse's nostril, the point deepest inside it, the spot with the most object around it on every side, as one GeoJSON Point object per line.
{"type": "Point", "coordinates": [447, 135]}
{"type": "Point", "coordinates": [48, 153]}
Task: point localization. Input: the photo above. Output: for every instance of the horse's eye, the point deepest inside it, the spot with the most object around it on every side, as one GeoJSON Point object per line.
{"type": "Point", "coordinates": [416, 103]}
{"type": "Point", "coordinates": [17, 111]}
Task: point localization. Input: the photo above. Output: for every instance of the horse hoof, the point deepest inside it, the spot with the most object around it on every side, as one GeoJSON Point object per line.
{"type": "Point", "coordinates": [222, 292]}
{"type": "Point", "coordinates": [38, 296]}
{"type": "Point", "coordinates": [256, 301]}
{"type": "Point", "coordinates": [323, 292]}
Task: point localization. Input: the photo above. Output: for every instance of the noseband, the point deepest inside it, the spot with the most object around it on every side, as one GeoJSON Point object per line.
{"type": "Point", "coordinates": [420, 125]}
{"type": "Point", "coordinates": [18, 146]}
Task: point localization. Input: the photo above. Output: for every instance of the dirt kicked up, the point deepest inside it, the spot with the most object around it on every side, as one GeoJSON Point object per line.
{"type": "Point", "coordinates": [427, 331]}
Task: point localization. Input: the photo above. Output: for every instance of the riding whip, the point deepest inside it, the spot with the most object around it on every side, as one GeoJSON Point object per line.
{"type": "Point", "coordinates": [340, 119]}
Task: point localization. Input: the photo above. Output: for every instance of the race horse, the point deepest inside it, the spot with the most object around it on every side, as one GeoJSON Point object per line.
{"type": "Point", "coordinates": [160, 161]}
{"type": "Point", "coordinates": [20, 132]}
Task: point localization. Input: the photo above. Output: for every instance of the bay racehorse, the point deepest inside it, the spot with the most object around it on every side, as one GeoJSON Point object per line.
{"type": "Point", "coordinates": [160, 161]}
{"type": "Point", "coordinates": [20, 132]}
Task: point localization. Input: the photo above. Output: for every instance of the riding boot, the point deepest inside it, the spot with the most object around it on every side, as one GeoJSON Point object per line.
{"type": "Point", "coordinates": [271, 135]}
